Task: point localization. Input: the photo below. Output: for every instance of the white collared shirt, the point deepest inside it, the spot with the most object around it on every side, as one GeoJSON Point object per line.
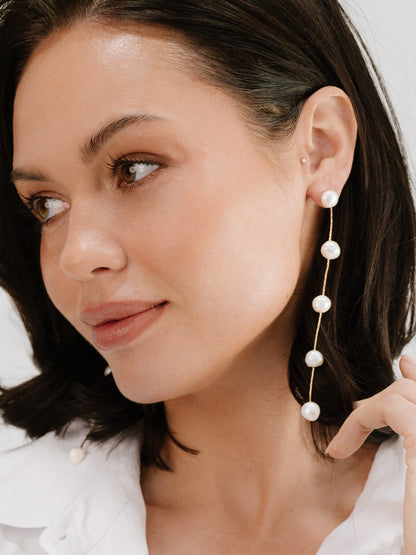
{"type": "Point", "coordinates": [49, 505]}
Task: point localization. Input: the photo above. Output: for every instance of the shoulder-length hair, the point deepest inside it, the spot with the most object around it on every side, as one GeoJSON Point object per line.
{"type": "Point", "coordinates": [272, 55]}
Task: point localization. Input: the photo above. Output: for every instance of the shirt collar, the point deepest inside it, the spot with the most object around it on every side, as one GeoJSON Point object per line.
{"type": "Point", "coordinates": [76, 504]}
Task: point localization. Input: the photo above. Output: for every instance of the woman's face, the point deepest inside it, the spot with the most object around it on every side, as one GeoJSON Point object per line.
{"type": "Point", "coordinates": [174, 235]}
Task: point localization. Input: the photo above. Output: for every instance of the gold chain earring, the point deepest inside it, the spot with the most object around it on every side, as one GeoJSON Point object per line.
{"type": "Point", "coordinates": [321, 304]}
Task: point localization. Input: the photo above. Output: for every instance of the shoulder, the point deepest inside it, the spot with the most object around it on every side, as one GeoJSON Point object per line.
{"type": "Point", "coordinates": [41, 488]}
{"type": "Point", "coordinates": [376, 523]}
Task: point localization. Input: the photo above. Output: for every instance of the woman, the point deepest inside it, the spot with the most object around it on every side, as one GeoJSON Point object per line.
{"type": "Point", "coordinates": [169, 171]}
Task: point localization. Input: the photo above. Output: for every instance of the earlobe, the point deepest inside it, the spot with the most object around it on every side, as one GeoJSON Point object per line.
{"type": "Point", "coordinates": [328, 130]}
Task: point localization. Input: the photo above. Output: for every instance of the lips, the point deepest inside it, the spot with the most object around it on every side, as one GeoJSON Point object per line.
{"type": "Point", "coordinates": [113, 311]}
{"type": "Point", "coordinates": [116, 324]}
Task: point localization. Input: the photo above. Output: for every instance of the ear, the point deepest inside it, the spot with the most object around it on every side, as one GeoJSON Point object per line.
{"type": "Point", "coordinates": [327, 130]}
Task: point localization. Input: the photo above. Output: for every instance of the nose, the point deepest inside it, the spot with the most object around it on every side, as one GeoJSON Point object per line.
{"type": "Point", "coordinates": [92, 244]}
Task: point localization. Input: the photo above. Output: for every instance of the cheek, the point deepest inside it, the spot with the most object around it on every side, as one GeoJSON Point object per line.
{"type": "Point", "coordinates": [231, 266]}
{"type": "Point", "coordinates": [251, 265]}
{"type": "Point", "coordinates": [63, 292]}
{"type": "Point", "coordinates": [232, 256]}
{"type": "Point", "coordinates": [48, 263]}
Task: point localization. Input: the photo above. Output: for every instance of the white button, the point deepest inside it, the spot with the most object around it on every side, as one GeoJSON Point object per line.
{"type": "Point", "coordinates": [76, 455]}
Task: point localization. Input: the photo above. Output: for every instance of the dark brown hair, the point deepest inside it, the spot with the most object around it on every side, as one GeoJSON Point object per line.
{"type": "Point", "coordinates": [272, 55]}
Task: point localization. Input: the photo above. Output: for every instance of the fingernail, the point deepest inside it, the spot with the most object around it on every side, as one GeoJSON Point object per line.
{"type": "Point", "coordinates": [331, 447]}
{"type": "Point", "coordinates": [408, 359]}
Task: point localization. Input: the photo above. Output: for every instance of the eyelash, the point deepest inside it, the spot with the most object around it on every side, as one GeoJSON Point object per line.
{"type": "Point", "coordinates": [29, 204]}
{"type": "Point", "coordinates": [113, 166]}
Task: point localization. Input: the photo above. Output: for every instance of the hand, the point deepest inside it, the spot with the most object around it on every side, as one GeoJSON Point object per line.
{"type": "Point", "coordinates": [395, 406]}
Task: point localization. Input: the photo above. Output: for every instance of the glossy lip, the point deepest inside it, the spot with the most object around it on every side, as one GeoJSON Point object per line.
{"type": "Point", "coordinates": [111, 311]}
{"type": "Point", "coordinates": [116, 324]}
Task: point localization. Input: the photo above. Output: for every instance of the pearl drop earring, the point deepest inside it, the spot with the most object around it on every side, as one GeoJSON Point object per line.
{"type": "Point", "coordinates": [321, 304]}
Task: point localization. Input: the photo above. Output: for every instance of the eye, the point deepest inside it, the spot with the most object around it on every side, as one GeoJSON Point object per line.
{"type": "Point", "coordinates": [45, 208]}
{"type": "Point", "coordinates": [135, 171]}
{"type": "Point", "coordinates": [132, 171]}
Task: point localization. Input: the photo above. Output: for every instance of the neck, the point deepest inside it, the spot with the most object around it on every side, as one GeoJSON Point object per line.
{"type": "Point", "coordinates": [252, 444]}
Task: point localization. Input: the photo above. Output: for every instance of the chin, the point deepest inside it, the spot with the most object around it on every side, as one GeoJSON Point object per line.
{"type": "Point", "coordinates": [158, 384]}
{"type": "Point", "coordinates": [144, 388]}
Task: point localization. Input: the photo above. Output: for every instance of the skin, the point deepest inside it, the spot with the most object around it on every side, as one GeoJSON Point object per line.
{"type": "Point", "coordinates": [223, 228]}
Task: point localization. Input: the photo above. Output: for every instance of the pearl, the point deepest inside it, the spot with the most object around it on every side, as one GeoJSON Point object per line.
{"type": "Point", "coordinates": [310, 411]}
{"type": "Point", "coordinates": [314, 359]}
{"type": "Point", "coordinates": [329, 199]}
{"type": "Point", "coordinates": [330, 250]}
{"type": "Point", "coordinates": [76, 455]}
{"type": "Point", "coordinates": [321, 303]}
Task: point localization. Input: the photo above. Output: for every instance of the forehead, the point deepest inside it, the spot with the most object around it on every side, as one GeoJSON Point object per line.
{"type": "Point", "coordinates": [93, 46]}
{"type": "Point", "coordinates": [77, 75]}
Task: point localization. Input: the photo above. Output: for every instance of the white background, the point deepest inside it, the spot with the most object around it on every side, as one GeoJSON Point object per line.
{"type": "Point", "coordinates": [388, 29]}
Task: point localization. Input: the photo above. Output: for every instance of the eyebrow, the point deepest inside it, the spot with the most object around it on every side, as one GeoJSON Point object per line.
{"type": "Point", "coordinates": [93, 145]}
{"type": "Point", "coordinates": [22, 175]}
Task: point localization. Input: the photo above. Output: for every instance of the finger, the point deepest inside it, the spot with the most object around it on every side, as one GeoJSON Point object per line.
{"type": "Point", "coordinates": [395, 411]}
{"type": "Point", "coordinates": [407, 367]}
{"type": "Point", "coordinates": [406, 387]}
{"type": "Point", "coordinates": [409, 506]}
